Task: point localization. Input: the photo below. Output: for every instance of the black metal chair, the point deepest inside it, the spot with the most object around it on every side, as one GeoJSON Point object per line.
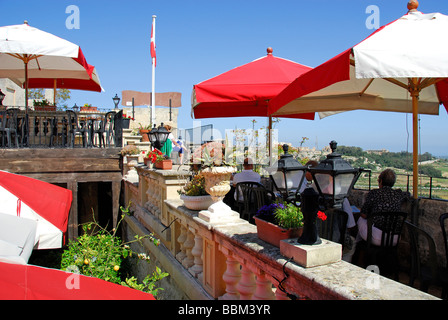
{"type": "Point", "coordinates": [250, 197]}
{"type": "Point", "coordinates": [105, 126]}
{"type": "Point", "coordinates": [75, 128]}
{"type": "Point", "coordinates": [385, 256]}
{"type": "Point", "coordinates": [426, 270]}
{"type": "Point", "coordinates": [9, 127]}
{"type": "Point", "coordinates": [442, 219]}
{"type": "Point", "coordinates": [334, 227]}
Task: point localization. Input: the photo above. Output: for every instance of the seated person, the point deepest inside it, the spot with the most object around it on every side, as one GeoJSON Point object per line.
{"type": "Point", "coordinates": [383, 199]}
{"type": "Point", "coordinates": [247, 175]}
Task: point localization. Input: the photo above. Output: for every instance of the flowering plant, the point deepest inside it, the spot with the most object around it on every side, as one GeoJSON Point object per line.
{"type": "Point", "coordinates": [195, 187]}
{"type": "Point", "coordinates": [128, 117]}
{"type": "Point", "coordinates": [285, 215]}
{"type": "Point", "coordinates": [102, 254]}
{"type": "Point", "coordinates": [130, 149]}
{"type": "Point", "coordinates": [321, 215]}
{"type": "Point", "coordinates": [156, 155]}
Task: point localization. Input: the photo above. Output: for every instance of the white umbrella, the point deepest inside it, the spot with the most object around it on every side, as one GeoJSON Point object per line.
{"type": "Point", "coordinates": [402, 67]}
{"type": "Point", "coordinates": [27, 52]}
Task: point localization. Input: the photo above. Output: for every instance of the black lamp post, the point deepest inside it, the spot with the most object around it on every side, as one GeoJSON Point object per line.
{"type": "Point", "coordinates": [2, 96]}
{"type": "Point", "coordinates": [116, 100]}
{"type": "Point", "coordinates": [334, 178]}
{"type": "Point", "coordinates": [75, 108]}
{"type": "Point", "coordinates": [158, 136]}
{"type": "Point", "coordinates": [287, 175]}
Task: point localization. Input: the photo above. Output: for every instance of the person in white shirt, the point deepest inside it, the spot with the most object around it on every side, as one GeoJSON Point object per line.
{"type": "Point", "coordinates": [247, 175]}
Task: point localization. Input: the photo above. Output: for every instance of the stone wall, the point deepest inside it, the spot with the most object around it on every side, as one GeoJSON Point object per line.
{"type": "Point", "coordinates": [227, 260]}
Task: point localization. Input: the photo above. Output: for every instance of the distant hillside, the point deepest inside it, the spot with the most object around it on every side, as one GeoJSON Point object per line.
{"type": "Point", "coordinates": [375, 160]}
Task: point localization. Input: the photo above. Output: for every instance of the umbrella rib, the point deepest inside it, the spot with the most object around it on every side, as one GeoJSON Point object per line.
{"type": "Point", "coordinates": [367, 86]}
{"type": "Point", "coordinates": [396, 82]}
{"type": "Point", "coordinates": [429, 82]}
{"type": "Point", "coordinates": [25, 58]}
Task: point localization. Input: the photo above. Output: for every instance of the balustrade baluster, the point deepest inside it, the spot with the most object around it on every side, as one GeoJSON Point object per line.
{"type": "Point", "coordinates": [263, 290]}
{"type": "Point", "coordinates": [246, 286]}
{"type": "Point", "coordinates": [188, 245]}
{"type": "Point", "coordinates": [231, 276]}
{"type": "Point", "coordinates": [182, 238]}
{"type": "Point", "coordinates": [197, 268]}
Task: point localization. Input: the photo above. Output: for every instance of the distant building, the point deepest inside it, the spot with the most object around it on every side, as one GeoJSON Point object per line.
{"type": "Point", "coordinates": [14, 95]}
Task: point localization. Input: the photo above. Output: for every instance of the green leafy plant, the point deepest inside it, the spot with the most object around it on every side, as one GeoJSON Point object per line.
{"type": "Point", "coordinates": [211, 154]}
{"type": "Point", "coordinates": [101, 254]}
{"type": "Point", "coordinates": [285, 215]}
{"type": "Point", "coordinates": [288, 216]}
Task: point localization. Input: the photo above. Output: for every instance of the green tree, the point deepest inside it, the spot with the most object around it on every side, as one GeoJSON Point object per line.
{"type": "Point", "coordinates": [62, 95]}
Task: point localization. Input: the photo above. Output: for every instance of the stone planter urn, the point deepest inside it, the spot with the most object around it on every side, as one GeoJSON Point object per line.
{"type": "Point", "coordinates": [217, 184]}
{"type": "Point", "coordinates": [132, 161]}
{"type": "Point", "coordinates": [197, 202]}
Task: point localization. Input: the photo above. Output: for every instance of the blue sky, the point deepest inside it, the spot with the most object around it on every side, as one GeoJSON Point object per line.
{"type": "Point", "coordinates": [199, 39]}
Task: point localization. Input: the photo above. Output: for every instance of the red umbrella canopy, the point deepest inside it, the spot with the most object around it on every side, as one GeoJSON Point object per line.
{"type": "Point", "coordinates": [244, 91]}
{"type": "Point", "coordinates": [27, 282]}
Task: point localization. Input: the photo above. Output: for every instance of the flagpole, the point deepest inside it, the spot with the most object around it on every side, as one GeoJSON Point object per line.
{"type": "Point", "coordinates": [153, 92]}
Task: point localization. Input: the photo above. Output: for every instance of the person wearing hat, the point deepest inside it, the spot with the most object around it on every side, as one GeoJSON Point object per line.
{"type": "Point", "coordinates": [167, 148]}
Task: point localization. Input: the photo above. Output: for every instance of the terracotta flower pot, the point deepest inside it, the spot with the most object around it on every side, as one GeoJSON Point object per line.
{"type": "Point", "coordinates": [273, 234]}
{"type": "Point", "coordinates": [164, 164]}
{"type": "Point", "coordinates": [144, 133]}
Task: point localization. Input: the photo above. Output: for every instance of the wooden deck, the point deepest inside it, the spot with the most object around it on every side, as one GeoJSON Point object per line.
{"type": "Point", "coordinates": [71, 168]}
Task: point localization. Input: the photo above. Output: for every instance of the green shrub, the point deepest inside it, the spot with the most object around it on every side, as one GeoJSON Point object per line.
{"type": "Point", "coordinates": [100, 253]}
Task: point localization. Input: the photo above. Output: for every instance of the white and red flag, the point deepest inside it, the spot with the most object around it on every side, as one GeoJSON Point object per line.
{"type": "Point", "coordinates": [153, 44]}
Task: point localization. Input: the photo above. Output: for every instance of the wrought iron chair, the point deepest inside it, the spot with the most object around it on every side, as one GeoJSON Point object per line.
{"type": "Point", "coordinates": [442, 219]}
{"type": "Point", "coordinates": [428, 273]}
{"type": "Point", "coordinates": [9, 127]}
{"type": "Point", "coordinates": [385, 256]}
{"type": "Point", "coordinates": [105, 127]}
{"type": "Point", "coordinates": [334, 227]}
{"type": "Point", "coordinates": [250, 197]}
{"type": "Point", "coordinates": [75, 128]}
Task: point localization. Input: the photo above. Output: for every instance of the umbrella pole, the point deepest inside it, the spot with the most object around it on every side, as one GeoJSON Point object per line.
{"type": "Point", "coordinates": [26, 87]}
{"type": "Point", "coordinates": [415, 94]}
{"type": "Point", "coordinates": [270, 138]}
{"type": "Point", "coordinates": [54, 92]}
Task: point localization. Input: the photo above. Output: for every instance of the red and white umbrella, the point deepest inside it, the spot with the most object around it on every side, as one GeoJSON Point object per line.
{"type": "Point", "coordinates": [43, 202]}
{"type": "Point", "coordinates": [402, 67]}
{"type": "Point", "coordinates": [27, 282]}
{"type": "Point", "coordinates": [37, 59]}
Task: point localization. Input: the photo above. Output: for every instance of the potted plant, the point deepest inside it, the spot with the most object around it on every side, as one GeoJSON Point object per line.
{"type": "Point", "coordinates": [193, 194]}
{"type": "Point", "coordinates": [279, 221]}
{"type": "Point", "coordinates": [87, 107]}
{"type": "Point", "coordinates": [210, 159]}
{"type": "Point", "coordinates": [144, 131]}
{"type": "Point", "coordinates": [126, 121]}
{"type": "Point", "coordinates": [159, 159]}
{"type": "Point", "coordinates": [130, 150]}
{"type": "Point", "coordinates": [43, 105]}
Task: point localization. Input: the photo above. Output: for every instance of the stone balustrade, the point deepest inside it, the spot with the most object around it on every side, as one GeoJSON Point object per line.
{"type": "Point", "coordinates": [227, 261]}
